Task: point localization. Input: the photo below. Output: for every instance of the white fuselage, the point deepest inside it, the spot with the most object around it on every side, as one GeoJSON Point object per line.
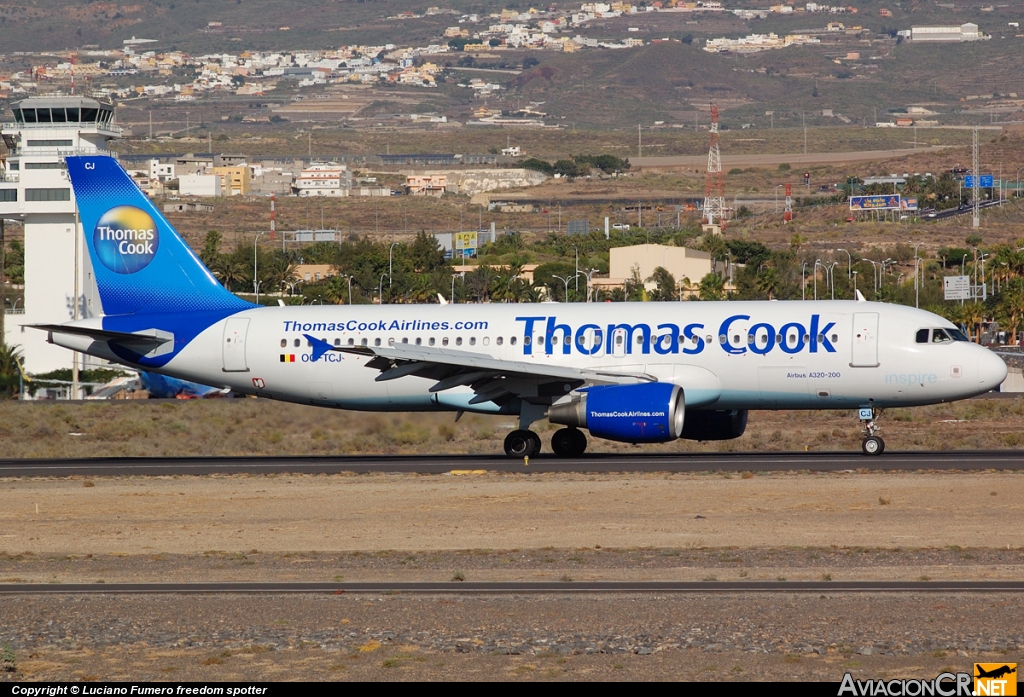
{"type": "Point", "coordinates": [725, 355]}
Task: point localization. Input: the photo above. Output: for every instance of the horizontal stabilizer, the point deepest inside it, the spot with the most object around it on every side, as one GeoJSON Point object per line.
{"type": "Point", "coordinates": [148, 342]}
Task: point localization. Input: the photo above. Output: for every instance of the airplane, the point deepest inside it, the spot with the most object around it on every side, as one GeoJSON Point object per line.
{"type": "Point", "coordinates": [626, 372]}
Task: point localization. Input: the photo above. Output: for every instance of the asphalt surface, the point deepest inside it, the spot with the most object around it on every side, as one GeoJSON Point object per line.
{"type": "Point", "coordinates": [472, 464]}
{"type": "Point", "coordinates": [463, 588]}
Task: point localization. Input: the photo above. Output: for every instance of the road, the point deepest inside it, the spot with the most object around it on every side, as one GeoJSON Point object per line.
{"type": "Point", "coordinates": [773, 160]}
{"type": "Point", "coordinates": [471, 464]}
{"type": "Point", "coordinates": [517, 587]}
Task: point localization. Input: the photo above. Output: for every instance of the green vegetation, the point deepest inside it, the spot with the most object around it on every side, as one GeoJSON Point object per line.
{"type": "Point", "coordinates": [579, 165]}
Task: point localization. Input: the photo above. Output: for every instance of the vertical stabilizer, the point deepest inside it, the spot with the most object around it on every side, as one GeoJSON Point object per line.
{"type": "Point", "coordinates": [141, 264]}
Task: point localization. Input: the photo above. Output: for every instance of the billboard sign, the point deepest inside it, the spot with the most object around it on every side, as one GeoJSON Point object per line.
{"type": "Point", "coordinates": [956, 287]}
{"type": "Point", "coordinates": [875, 203]}
{"type": "Point", "coordinates": [465, 244]}
{"type": "Point", "coordinates": [987, 181]}
{"type": "Point", "coordinates": [909, 204]}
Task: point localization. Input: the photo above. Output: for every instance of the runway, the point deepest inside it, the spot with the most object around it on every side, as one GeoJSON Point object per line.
{"type": "Point", "coordinates": [477, 464]}
{"type": "Point", "coordinates": [513, 588]}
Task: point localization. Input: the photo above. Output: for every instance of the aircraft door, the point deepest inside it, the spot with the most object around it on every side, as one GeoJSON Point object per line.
{"type": "Point", "coordinates": [235, 330]}
{"type": "Point", "coordinates": [865, 340]}
{"type": "Point", "coordinates": [590, 343]}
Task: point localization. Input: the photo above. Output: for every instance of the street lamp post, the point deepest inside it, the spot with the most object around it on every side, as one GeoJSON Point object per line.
{"type": "Point", "coordinates": [855, 284]}
{"type": "Point", "coordinates": [577, 275]}
{"type": "Point", "coordinates": [255, 268]}
{"type": "Point", "coordinates": [566, 282]}
{"type": "Point", "coordinates": [390, 277]}
{"type": "Point", "coordinates": [803, 280]}
{"type": "Point", "coordinates": [349, 277]}
{"type": "Point", "coordinates": [817, 263]}
{"type": "Point", "coordinates": [917, 288]}
{"type": "Point", "coordinates": [849, 263]}
{"type": "Point", "coordinates": [777, 196]}
{"type": "Point", "coordinates": [874, 273]}
{"type": "Point", "coordinates": [832, 276]}
{"type": "Point", "coordinates": [380, 288]}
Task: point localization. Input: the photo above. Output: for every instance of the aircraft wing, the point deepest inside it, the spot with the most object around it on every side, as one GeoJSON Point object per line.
{"type": "Point", "coordinates": [493, 379]}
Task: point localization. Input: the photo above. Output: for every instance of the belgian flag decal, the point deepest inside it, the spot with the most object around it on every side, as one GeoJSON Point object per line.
{"type": "Point", "coordinates": [287, 357]}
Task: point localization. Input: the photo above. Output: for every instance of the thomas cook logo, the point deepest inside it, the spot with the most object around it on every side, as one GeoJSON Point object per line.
{"type": "Point", "coordinates": [995, 679]}
{"type": "Point", "coordinates": [126, 239]}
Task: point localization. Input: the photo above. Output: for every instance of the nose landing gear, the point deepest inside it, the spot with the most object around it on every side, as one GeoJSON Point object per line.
{"type": "Point", "coordinates": [872, 444]}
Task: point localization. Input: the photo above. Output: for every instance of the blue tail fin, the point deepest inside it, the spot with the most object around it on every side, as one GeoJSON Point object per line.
{"type": "Point", "coordinates": [142, 265]}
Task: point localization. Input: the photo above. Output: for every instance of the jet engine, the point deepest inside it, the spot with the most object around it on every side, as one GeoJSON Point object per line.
{"type": "Point", "coordinates": [715, 425]}
{"type": "Point", "coordinates": [646, 413]}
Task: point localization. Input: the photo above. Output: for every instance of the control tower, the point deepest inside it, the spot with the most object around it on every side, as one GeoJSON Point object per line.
{"type": "Point", "coordinates": [35, 190]}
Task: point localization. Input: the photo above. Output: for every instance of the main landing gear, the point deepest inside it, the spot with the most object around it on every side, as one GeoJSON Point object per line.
{"type": "Point", "coordinates": [569, 442]}
{"type": "Point", "coordinates": [522, 443]}
{"type": "Point", "coordinates": [873, 444]}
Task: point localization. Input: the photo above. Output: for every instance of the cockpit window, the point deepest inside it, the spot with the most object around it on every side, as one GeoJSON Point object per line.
{"type": "Point", "coordinates": [939, 335]}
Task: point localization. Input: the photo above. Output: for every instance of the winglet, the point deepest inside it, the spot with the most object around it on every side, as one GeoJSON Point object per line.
{"type": "Point", "coordinates": [320, 347]}
{"type": "Point", "coordinates": [860, 297]}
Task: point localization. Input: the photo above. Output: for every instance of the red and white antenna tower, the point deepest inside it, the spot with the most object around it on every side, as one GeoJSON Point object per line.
{"type": "Point", "coordinates": [714, 186]}
{"type": "Point", "coordinates": [273, 217]}
{"type": "Point", "coordinates": [787, 215]}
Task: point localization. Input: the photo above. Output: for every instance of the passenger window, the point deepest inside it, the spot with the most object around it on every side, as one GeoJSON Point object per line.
{"type": "Point", "coordinates": [364, 342]}
{"type": "Point", "coordinates": [597, 337]}
{"type": "Point", "coordinates": [351, 342]}
{"type": "Point", "coordinates": [444, 341]}
{"type": "Point", "coordinates": [722, 338]}
{"type": "Point", "coordinates": [487, 341]}
{"type": "Point", "coordinates": [499, 341]}
{"type": "Point", "coordinates": [708, 339]}
{"type": "Point", "coordinates": [835, 337]}
{"type": "Point", "coordinates": [419, 341]}
{"type": "Point", "coordinates": [284, 342]}
{"type": "Point", "coordinates": [458, 341]}
{"type": "Point", "coordinates": [337, 342]}
{"type": "Point", "coordinates": [639, 339]}
{"type": "Point", "coordinates": [376, 342]}
{"type": "Point", "coordinates": [618, 340]}
{"type": "Point", "coordinates": [405, 340]}
{"type": "Point", "coordinates": [922, 336]}
{"type": "Point", "coordinates": [553, 340]}
{"type": "Point", "coordinates": [431, 342]}
{"type": "Point", "coordinates": [472, 341]}
{"type": "Point", "coordinates": [512, 340]}
{"type": "Point", "coordinates": [391, 342]}
{"type": "Point", "coordinates": [297, 344]}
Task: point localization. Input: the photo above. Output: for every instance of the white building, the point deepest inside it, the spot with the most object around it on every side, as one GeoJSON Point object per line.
{"type": "Point", "coordinates": [35, 190]}
{"type": "Point", "coordinates": [161, 171]}
{"type": "Point", "coordinates": [323, 179]}
{"type": "Point", "coordinates": [965, 32]}
{"type": "Point", "coordinates": [200, 185]}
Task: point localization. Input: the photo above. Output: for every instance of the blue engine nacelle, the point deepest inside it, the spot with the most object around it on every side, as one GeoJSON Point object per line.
{"type": "Point", "coordinates": [646, 413]}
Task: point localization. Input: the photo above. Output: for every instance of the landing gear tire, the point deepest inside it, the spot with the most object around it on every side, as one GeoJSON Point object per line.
{"type": "Point", "coordinates": [522, 443]}
{"type": "Point", "coordinates": [569, 442]}
{"type": "Point", "coordinates": [873, 445]}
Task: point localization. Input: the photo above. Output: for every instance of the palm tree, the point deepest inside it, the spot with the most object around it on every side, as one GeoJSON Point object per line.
{"type": "Point", "coordinates": [712, 287]}
{"type": "Point", "coordinates": [10, 369]}
{"type": "Point", "coordinates": [768, 282]}
{"type": "Point", "coordinates": [1011, 305]}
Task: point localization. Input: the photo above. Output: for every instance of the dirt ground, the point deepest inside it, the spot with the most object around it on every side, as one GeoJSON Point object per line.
{"type": "Point", "coordinates": [566, 527]}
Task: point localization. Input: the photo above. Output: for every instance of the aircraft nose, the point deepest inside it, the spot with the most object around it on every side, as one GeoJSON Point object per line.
{"type": "Point", "coordinates": [991, 370]}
